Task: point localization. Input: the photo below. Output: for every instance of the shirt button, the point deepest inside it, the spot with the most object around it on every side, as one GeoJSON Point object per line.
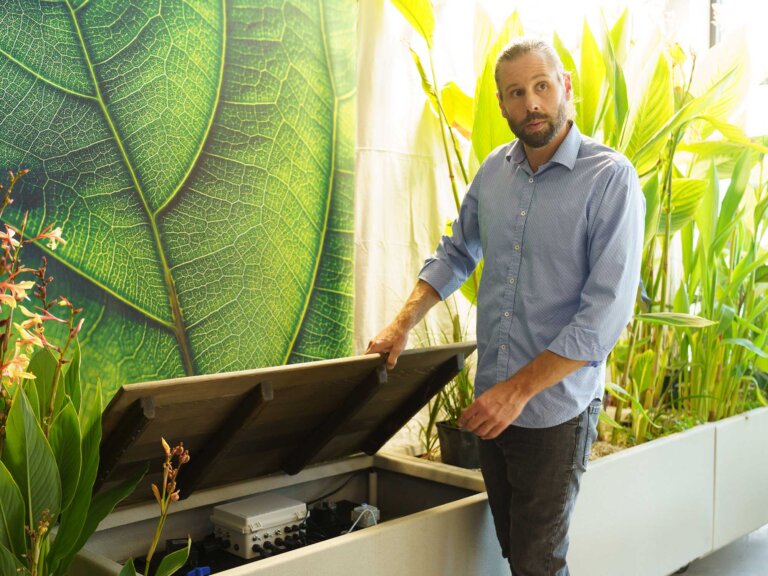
{"type": "Point", "coordinates": [506, 314]}
{"type": "Point", "coordinates": [523, 213]}
{"type": "Point", "coordinates": [511, 280]}
{"type": "Point", "coordinates": [503, 346]}
{"type": "Point", "coordinates": [517, 247]}
{"type": "Point", "coordinates": [530, 180]}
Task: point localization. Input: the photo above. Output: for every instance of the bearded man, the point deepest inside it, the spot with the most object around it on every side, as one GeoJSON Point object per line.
{"type": "Point", "coordinates": [559, 220]}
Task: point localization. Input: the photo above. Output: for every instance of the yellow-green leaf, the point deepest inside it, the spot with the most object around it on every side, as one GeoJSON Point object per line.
{"type": "Point", "coordinates": [592, 73]}
{"type": "Point", "coordinates": [675, 319]}
{"type": "Point", "coordinates": [489, 128]}
{"type": "Point", "coordinates": [686, 197]}
{"type": "Point", "coordinates": [420, 15]}
{"type": "Point", "coordinates": [655, 107]}
{"type": "Point", "coordinates": [459, 108]}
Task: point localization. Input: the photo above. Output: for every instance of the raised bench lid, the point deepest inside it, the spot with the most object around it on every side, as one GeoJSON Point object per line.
{"type": "Point", "coordinates": [243, 425]}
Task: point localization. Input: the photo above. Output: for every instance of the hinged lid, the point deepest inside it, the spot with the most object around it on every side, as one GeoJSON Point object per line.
{"type": "Point", "coordinates": [242, 425]}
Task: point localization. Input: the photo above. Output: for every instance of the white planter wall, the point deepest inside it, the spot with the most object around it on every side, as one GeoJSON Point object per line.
{"type": "Point", "coordinates": [646, 511]}
{"type": "Point", "coordinates": [741, 476]}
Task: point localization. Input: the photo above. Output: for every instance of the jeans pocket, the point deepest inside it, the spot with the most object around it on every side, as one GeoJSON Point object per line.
{"type": "Point", "coordinates": [593, 413]}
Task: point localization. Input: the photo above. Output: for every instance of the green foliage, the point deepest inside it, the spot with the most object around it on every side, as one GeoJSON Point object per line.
{"type": "Point", "coordinates": [48, 480]}
{"type": "Point", "coordinates": [696, 349]}
{"type": "Point", "coordinates": [201, 155]}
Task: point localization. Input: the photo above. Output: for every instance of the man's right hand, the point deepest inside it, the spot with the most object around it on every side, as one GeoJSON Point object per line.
{"type": "Point", "coordinates": [392, 340]}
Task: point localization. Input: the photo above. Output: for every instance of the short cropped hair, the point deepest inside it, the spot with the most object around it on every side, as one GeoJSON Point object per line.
{"type": "Point", "coordinates": [522, 46]}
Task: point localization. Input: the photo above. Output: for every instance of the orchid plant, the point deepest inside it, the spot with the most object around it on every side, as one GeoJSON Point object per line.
{"type": "Point", "coordinates": [49, 430]}
{"type": "Point", "coordinates": [175, 458]}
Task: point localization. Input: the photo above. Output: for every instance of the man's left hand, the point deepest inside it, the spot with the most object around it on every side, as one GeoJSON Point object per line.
{"type": "Point", "coordinates": [494, 410]}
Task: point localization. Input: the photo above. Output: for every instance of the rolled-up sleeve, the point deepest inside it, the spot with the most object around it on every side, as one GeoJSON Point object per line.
{"type": "Point", "coordinates": [456, 255]}
{"type": "Point", "coordinates": [615, 245]}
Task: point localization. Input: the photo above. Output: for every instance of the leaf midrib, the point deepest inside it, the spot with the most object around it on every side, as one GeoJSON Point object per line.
{"type": "Point", "coordinates": [331, 180]}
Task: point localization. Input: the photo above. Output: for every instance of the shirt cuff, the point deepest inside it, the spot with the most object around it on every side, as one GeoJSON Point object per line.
{"type": "Point", "coordinates": [440, 276]}
{"type": "Point", "coordinates": [577, 343]}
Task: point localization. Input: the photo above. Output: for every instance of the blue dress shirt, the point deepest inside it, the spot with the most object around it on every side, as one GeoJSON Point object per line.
{"type": "Point", "coordinates": [562, 250]}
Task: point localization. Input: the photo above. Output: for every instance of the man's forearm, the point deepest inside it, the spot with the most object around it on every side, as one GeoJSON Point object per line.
{"type": "Point", "coordinates": [422, 299]}
{"type": "Point", "coordinates": [394, 338]}
{"type": "Point", "coordinates": [545, 370]}
{"type": "Point", "coordinates": [495, 409]}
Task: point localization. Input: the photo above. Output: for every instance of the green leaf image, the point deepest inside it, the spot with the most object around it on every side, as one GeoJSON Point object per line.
{"type": "Point", "coordinates": [199, 157]}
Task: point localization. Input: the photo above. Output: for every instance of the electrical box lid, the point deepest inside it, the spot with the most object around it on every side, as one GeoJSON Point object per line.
{"type": "Point", "coordinates": [259, 512]}
{"type": "Point", "coordinates": [243, 425]}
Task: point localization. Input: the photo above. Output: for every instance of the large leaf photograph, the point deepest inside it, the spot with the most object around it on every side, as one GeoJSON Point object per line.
{"type": "Point", "coordinates": [199, 157]}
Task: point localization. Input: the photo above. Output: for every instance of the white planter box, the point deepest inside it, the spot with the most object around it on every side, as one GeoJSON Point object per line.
{"type": "Point", "coordinates": [741, 476]}
{"type": "Point", "coordinates": [427, 537]}
{"type": "Point", "coordinates": [648, 510]}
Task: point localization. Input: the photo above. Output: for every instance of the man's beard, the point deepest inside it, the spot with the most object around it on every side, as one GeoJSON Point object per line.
{"type": "Point", "coordinates": [542, 137]}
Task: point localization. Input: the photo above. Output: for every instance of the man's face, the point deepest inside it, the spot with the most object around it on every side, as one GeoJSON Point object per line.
{"type": "Point", "coordinates": [532, 98]}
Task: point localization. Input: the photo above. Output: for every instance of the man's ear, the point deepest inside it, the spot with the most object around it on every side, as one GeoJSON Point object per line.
{"type": "Point", "coordinates": [501, 105]}
{"type": "Point", "coordinates": [568, 85]}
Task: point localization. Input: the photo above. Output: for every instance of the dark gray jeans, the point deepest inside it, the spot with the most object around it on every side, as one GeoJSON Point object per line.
{"type": "Point", "coordinates": [532, 476]}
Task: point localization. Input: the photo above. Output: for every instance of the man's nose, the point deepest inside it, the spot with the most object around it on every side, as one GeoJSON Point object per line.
{"type": "Point", "coordinates": [532, 104]}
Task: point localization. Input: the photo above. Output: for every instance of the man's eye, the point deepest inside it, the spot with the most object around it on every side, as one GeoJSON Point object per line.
{"type": "Point", "coordinates": [542, 85]}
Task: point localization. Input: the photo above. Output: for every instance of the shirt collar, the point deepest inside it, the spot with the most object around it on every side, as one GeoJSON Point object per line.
{"type": "Point", "coordinates": [565, 154]}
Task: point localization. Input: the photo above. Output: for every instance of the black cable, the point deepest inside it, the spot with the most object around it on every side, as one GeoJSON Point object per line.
{"type": "Point", "coordinates": [324, 496]}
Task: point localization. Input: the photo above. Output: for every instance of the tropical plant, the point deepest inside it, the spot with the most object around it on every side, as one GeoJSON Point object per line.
{"type": "Point", "coordinates": [175, 458]}
{"type": "Point", "coordinates": [49, 429]}
{"type": "Point", "coordinates": [695, 348]}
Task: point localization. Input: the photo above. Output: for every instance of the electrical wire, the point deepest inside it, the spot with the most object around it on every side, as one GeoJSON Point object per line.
{"type": "Point", "coordinates": [324, 496]}
{"type": "Point", "coordinates": [373, 517]}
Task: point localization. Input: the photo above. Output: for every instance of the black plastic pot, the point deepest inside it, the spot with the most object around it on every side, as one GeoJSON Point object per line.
{"type": "Point", "coordinates": [458, 447]}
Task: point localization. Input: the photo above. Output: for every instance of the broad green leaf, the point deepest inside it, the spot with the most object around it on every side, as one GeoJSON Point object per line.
{"type": "Point", "coordinates": [706, 214]}
{"type": "Point", "coordinates": [426, 83]}
{"type": "Point", "coordinates": [8, 562]}
{"type": "Point", "coordinates": [489, 129]}
{"type": "Point", "coordinates": [73, 519]}
{"type": "Point", "coordinates": [652, 207]}
{"type": "Point", "coordinates": [616, 102]}
{"type": "Point", "coordinates": [761, 274]}
{"type": "Point", "coordinates": [728, 58]}
{"type": "Point", "coordinates": [72, 382]}
{"type": "Point", "coordinates": [686, 197]}
{"type": "Point", "coordinates": [642, 371]}
{"type": "Point", "coordinates": [655, 107]}
{"type": "Point", "coordinates": [681, 301]}
{"type": "Point", "coordinates": [675, 319]}
{"type": "Point", "coordinates": [43, 366]}
{"type": "Point", "coordinates": [129, 569]}
{"type": "Point", "coordinates": [458, 108]}
{"type": "Point", "coordinates": [732, 199]}
{"type": "Point", "coordinates": [689, 112]}
{"type": "Point", "coordinates": [66, 445]}
{"type": "Point", "coordinates": [12, 515]}
{"type": "Point", "coordinates": [570, 66]}
{"type": "Point", "coordinates": [420, 15]}
{"type": "Point", "coordinates": [29, 459]}
{"type": "Point", "coordinates": [174, 561]}
{"type": "Point", "coordinates": [746, 267]}
{"type": "Point", "coordinates": [103, 503]}
{"type": "Point", "coordinates": [592, 73]}
{"type": "Point", "coordinates": [620, 37]}
{"type": "Point", "coordinates": [734, 134]}
{"type": "Point", "coordinates": [200, 159]}
{"type": "Point", "coordinates": [470, 288]}
{"type": "Point", "coordinates": [747, 344]}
